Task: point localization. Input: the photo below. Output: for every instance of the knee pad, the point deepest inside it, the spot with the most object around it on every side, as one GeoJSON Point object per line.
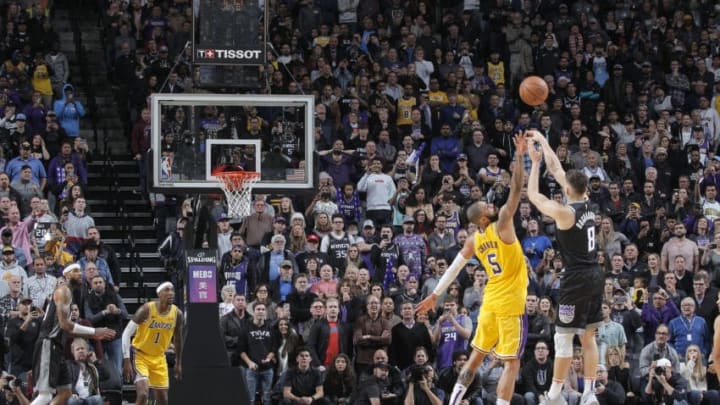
{"type": "Point", "coordinates": [564, 345]}
{"type": "Point", "coordinates": [43, 398]}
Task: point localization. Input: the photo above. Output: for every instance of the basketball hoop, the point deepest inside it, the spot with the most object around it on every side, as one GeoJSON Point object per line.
{"type": "Point", "coordinates": [237, 186]}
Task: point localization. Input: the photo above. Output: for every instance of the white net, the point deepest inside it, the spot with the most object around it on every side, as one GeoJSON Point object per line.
{"type": "Point", "coordinates": [238, 191]}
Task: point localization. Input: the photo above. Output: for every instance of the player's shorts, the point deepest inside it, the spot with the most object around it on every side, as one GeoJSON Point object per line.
{"type": "Point", "coordinates": [580, 298]}
{"type": "Point", "coordinates": [505, 335]}
{"type": "Point", "coordinates": [50, 369]}
{"type": "Point", "coordinates": [151, 368]}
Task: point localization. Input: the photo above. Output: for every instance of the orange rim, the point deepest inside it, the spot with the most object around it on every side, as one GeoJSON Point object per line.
{"type": "Point", "coordinates": [236, 180]}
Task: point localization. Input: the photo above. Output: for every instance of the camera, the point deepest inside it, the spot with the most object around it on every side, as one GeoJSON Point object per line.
{"type": "Point", "coordinates": [619, 300]}
{"type": "Point", "coordinates": [12, 382]}
{"type": "Point", "coordinates": [712, 246]}
{"type": "Point", "coordinates": [659, 370]}
{"type": "Point", "coordinates": [417, 373]}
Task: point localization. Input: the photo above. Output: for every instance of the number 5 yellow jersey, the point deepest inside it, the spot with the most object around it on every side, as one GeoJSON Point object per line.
{"type": "Point", "coordinates": [504, 264]}
{"type": "Point", "coordinates": [154, 335]}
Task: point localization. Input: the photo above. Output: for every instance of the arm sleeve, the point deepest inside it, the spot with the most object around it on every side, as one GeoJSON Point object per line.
{"type": "Point", "coordinates": [128, 333]}
{"type": "Point", "coordinates": [106, 270]}
{"type": "Point", "coordinates": [121, 306]}
{"type": "Point", "coordinates": [644, 362]}
{"type": "Point", "coordinates": [451, 274]}
{"type": "Point", "coordinates": [362, 184]}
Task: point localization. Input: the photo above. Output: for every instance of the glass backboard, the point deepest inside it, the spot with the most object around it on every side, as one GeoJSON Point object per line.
{"type": "Point", "coordinates": [193, 134]}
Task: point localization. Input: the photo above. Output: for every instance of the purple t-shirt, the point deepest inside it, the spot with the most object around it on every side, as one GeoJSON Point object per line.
{"type": "Point", "coordinates": [450, 341]}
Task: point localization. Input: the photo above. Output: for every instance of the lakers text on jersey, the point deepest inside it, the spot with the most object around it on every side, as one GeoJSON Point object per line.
{"type": "Point", "coordinates": [504, 264]}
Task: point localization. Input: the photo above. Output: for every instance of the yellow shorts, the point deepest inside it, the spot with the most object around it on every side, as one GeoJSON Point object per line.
{"type": "Point", "coordinates": [151, 368]}
{"type": "Point", "coordinates": [505, 335]}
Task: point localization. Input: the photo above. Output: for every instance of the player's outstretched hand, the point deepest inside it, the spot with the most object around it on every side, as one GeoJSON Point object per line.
{"type": "Point", "coordinates": [427, 305]}
{"type": "Point", "coordinates": [104, 334]}
{"type": "Point", "coordinates": [521, 145]}
{"type": "Point", "coordinates": [535, 155]}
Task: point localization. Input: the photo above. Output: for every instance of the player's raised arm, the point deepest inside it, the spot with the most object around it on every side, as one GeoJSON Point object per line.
{"type": "Point", "coordinates": [551, 159]}
{"type": "Point", "coordinates": [563, 216]}
{"type": "Point", "coordinates": [429, 303]}
{"type": "Point", "coordinates": [505, 227]}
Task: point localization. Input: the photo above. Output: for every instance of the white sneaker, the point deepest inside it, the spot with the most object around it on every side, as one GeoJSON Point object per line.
{"type": "Point", "coordinates": [560, 400]}
{"type": "Point", "coordinates": [589, 399]}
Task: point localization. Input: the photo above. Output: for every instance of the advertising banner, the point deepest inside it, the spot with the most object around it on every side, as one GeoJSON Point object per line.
{"type": "Point", "coordinates": [230, 33]}
{"type": "Point", "coordinates": [202, 276]}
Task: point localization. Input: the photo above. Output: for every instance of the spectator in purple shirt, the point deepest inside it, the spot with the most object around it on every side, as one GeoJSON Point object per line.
{"type": "Point", "coordinates": [660, 311]}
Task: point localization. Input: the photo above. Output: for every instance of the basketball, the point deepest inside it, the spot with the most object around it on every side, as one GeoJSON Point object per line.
{"type": "Point", "coordinates": [533, 90]}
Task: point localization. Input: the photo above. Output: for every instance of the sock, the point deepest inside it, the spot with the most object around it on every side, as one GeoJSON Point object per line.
{"type": "Point", "coordinates": [555, 389]}
{"type": "Point", "coordinates": [457, 394]}
{"type": "Point", "coordinates": [502, 402]}
{"type": "Point", "coordinates": [589, 386]}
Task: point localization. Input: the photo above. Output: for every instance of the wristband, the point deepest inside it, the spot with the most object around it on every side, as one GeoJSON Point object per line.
{"type": "Point", "coordinates": [82, 330]}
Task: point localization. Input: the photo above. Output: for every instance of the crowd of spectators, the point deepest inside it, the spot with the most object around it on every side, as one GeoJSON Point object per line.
{"type": "Point", "coordinates": [45, 223]}
{"type": "Point", "coordinates": [416, 105]}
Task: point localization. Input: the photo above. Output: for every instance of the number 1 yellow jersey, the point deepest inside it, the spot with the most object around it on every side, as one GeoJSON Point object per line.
{"type": "Point", "coordinates": [154, 335]}
{"type": "Point", "coordinates": [504, 264]}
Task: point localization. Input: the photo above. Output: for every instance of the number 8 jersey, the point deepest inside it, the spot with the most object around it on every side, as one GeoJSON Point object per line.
{"type": "Point", "coordinates": [578, 244]}
{"type": "Point", "coordinates": [505, 266]}
{"type": "Point", "coordinates": [153, 336]}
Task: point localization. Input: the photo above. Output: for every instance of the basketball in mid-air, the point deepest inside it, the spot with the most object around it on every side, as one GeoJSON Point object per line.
{"type": "Point", "coordinates": [533, 90]}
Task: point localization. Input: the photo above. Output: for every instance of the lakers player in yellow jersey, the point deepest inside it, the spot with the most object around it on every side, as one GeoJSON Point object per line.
{"type": "Point", "coordinates": [502, 325]}
{"type": "Point", "coordinates": [154, 326]}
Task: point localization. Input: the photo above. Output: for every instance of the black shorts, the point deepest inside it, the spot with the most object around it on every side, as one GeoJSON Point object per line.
{"type": "Point", "coordinates": [580, 298]}
{"type": "Point", "coordinates": [50, 369]}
